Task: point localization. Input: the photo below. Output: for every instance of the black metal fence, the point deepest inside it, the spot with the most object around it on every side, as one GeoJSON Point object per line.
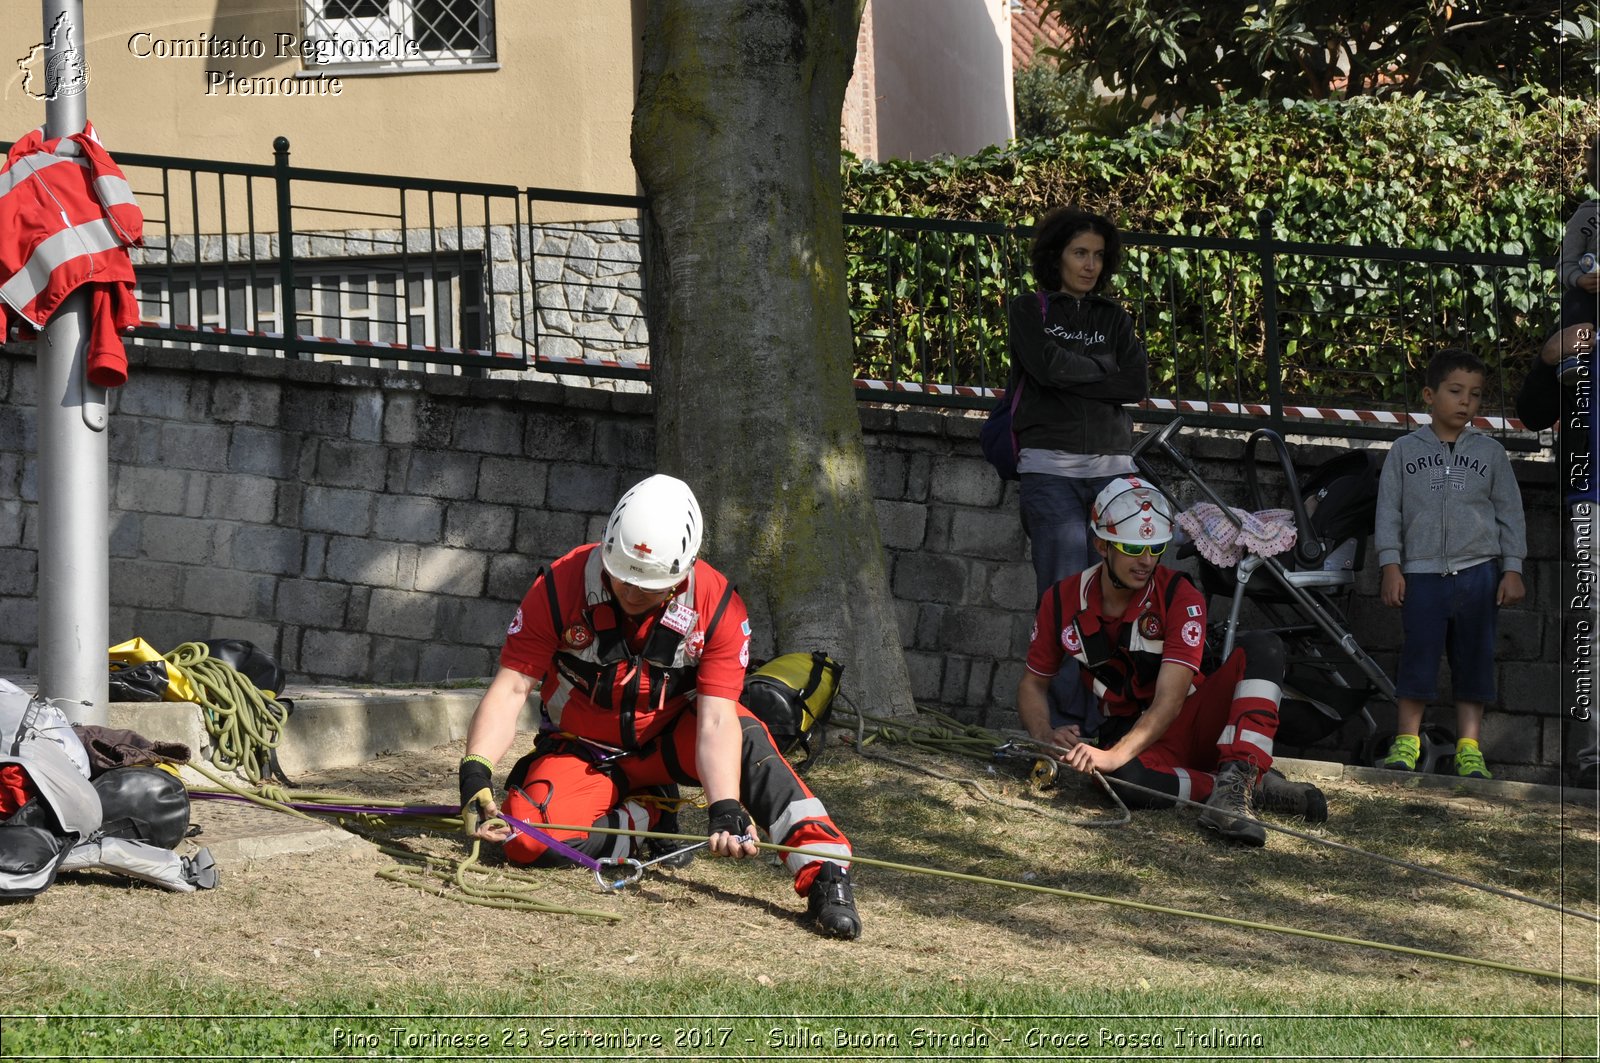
{"type": "Point", "coordinates": [464, 277]}
{"type": "Point", "coordinates": [1237, 329]}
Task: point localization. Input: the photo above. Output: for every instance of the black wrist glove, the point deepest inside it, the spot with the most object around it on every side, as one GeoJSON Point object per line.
{"type": "Point", "coordinates": [728, 816]}
{"type": "Point", "coordinates": [477, 790]}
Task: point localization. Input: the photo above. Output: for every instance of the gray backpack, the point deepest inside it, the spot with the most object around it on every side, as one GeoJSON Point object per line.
{"type": "Point", "coordinates": [127, 821]}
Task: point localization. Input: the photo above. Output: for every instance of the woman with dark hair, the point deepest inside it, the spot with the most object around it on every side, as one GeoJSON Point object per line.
{"type": "Point", "coordinates": [1078, 362]}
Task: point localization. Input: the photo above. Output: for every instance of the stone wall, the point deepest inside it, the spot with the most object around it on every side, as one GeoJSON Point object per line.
{"type": "Point", "coordinates": [379, 526]}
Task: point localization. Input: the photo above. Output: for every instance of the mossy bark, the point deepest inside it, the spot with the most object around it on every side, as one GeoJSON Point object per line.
{"type": "Point", "coordinates": [736, 141]}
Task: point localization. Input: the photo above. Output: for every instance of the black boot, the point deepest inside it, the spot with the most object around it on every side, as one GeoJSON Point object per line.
{"type": "Point", "coordinates": [831, 903]}
{"type": "Point", "coordinates": [667, 823]}
{"type": "Point", "coordinates": [1277, 794]}
{"type": "Point", "coordinates": [1227, 811]}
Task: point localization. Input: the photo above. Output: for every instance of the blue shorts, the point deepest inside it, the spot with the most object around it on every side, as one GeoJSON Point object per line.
{"type": "Point", "coordinates": [1579, 307]}
{"type": "Point", "coordinates": [1454, 615]}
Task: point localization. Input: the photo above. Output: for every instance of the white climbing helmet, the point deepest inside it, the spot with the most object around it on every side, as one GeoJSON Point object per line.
{"type": "Point", "coordinates": [653, 535]}
{"type": "Point", "coordinates": [1128, 510]}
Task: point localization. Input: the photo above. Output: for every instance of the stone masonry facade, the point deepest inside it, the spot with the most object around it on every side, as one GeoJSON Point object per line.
{"type": "Point", "coordinates": [380, 526]}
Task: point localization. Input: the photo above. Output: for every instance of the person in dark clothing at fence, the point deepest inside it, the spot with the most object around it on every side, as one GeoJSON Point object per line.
{"type": "Point", "coordinates": [1540, 403]}
{"type": "Point", "coordinates": [1079, 363]}
{"type": "Point", "coordinates": [1563, 377]}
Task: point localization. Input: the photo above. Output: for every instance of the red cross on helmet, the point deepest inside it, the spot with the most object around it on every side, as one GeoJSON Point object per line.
{"type": "Point", "coordinates": [1128, 510]}
{"type": "Point", "coordinates": [653, 535]}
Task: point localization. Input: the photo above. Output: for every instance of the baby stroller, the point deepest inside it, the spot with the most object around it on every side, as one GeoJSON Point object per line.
{"type": "Point", "coordinates": [1303, 594]}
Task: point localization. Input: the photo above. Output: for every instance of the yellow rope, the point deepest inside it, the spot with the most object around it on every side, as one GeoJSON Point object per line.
{"type": "Point", "coordinates": [245, 724]}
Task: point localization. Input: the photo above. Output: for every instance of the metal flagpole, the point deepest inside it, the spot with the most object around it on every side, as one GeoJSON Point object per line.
{"type": "Point", "coordinates": [74, 494]}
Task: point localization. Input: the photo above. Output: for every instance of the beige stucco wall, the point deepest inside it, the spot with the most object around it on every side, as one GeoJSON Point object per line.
{"type": "Point", "coordinates": [555, 113]}
{"type": "Point", "coordinates": [942, 76]}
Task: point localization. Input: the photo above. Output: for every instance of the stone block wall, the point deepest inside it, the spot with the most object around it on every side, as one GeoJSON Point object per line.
{"type": "Point", "coordinates": [380, 526]}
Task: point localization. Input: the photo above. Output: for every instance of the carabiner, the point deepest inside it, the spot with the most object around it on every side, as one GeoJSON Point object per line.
{"type": "Point", "coordinates": [634, 868]}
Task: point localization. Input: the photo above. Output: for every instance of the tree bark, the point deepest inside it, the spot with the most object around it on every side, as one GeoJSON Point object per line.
{"type": "Point", "coordinates": [736, 140]}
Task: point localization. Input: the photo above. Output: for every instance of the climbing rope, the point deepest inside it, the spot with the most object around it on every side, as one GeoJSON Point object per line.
{"type": "Point", "coordinates": [1121, 902]}
{"type": "Point", "coordinates": [473, 881]}
{"type": "Point", "coordinates": [245, 724]}
{"type": "Point", "coordinates": [947, 735]}
{"type": "Point", "coordinates": [1317, 839]}
{"type": "Point", "coordinates": [511, 889]}
{"type": "Point", "coordinates": [953, 737]}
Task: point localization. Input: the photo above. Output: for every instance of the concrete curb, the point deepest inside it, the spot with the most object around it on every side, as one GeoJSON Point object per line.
{"type": "Point", "coordinates": [1490, 789]}
{"type": "Point", "coordinates": [327, 730]}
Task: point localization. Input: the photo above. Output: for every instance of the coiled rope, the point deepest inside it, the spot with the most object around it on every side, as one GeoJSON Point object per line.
{"type": "Point", "coordinates": [245, 724]}
{"type": "Point", "coordinates": [474, 882]}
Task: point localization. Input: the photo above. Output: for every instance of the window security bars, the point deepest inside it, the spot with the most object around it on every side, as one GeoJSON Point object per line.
{"type": "Point", "coordinates": [378, 36]}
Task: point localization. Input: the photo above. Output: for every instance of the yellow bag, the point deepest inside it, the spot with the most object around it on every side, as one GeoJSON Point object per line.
{"type": "Point", "coordinates": [140, 673]}
{"type": "Point", "coordinates": [793, 696]}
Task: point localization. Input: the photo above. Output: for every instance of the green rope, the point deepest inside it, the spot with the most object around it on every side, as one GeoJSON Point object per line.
{"type": "Point", "coordinates": [949, 736]}
{"type": "Point", "coordinates": [1393, 861]}
{"type": "Point", "coordinates": [515, 895]}
{"type": "Point", "coordinates": [477, 884]}
{"type": "Point", "coordinates": [245, 724]}
{"type": "Point", "coordinates": [1052, 891]}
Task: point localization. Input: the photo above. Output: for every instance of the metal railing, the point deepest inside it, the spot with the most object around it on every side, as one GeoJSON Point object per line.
{"type": "Point", "coordinates": [465, 277]}
{"type": "Point", "coordinates": [437, 275]}
{"type": "Point", "coordinates": [1238, 330]}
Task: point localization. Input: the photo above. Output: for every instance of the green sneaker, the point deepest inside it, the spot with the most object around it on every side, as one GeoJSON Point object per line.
{"type": "Point", "coordinates": [1403, 753]}
{"type": "Point", "coordinates": [1469, 762]}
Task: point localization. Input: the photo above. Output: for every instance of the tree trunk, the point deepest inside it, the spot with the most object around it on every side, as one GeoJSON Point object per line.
{"type": "Point", "coordinates": [736, 141]}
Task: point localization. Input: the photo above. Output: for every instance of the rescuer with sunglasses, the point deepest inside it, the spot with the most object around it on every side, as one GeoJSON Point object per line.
{"type": "Point", "coordinates": [1138, 632]}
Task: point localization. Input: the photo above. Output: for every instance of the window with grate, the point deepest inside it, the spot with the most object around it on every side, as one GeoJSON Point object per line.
{"type": "Point", "coordinates": [383, 36]}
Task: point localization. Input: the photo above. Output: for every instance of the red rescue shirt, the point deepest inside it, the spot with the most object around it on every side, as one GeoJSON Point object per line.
{"type": "Point", "coordinates": [1119, 656]}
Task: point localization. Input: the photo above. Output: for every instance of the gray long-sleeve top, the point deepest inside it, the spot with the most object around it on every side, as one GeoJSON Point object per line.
{"type": "Point", "coordinates": [1582, 237]}
{"type": "Point", "coordinates": [1440, 511]}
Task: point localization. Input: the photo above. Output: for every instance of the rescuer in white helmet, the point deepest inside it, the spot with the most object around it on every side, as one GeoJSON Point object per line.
{"type": "Point", "coordinates": [1137, 631]}
{"type": "Point", "coordinates": [638, 650]}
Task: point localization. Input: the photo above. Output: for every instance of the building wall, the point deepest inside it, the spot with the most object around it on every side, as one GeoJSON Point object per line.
{"type": "Point", "coordinates": [380, 526]}
{"type": "Point", "coordinates": [942, 74]}
{"type": "Point", "coordinates": [859, 122]}
{"type": "Point", "coordinates": [565, 77]}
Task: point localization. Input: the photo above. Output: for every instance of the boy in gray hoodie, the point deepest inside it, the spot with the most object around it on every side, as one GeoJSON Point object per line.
{"type": "Point", "coordinates": [1451, 540]}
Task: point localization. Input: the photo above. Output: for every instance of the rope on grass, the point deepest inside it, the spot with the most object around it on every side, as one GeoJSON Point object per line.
{"type": "Point", "coordinates": [475, 883]}
{"type": "Point", "coordinates": [1394, 861]}
{"type": "Point", "coordinates": [511, 889]}
{"type": "Point", "coordinates": [971, 739]}
{"type": "Point", "coordinates": [950, 736]}
{"type": "Point", "coordinates": [1158, 909]}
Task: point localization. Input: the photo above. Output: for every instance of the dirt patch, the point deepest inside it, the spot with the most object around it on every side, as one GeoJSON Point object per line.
{"type": "Point", "coordinates": [301, 924]}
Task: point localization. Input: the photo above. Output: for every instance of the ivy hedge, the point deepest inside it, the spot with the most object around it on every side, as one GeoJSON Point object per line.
{"type": "Point", "coordinates": [1475, 190]}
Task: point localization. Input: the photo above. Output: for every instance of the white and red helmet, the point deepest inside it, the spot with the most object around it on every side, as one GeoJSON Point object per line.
{"type": "Point", "coordinates": [1128, 510]}
{"type": "Point", "coordinates": [653, 535]}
